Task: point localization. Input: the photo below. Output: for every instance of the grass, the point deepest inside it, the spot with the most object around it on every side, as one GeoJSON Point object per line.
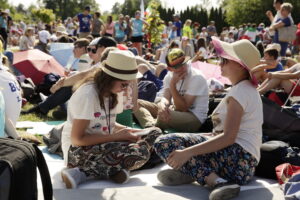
{"type": "Point", "coordinates": [35, 118]}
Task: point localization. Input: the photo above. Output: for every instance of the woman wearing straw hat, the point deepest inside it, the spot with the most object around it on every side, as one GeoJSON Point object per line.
{"type": "Point", "coordinates": [94, 145]}
{"type": "Point", "coordinates": [227, 157]}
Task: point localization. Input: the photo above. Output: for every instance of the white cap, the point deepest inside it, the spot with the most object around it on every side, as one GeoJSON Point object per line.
{"type": "Point", "coordinates": [44, 36]}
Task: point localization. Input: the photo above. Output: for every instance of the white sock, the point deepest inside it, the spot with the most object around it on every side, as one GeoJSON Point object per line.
{"type": "Point", "coordinates": [220, 180]}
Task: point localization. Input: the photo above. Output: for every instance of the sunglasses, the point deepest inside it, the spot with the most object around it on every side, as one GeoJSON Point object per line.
{"type": "Point", "coordinates": [124, 85]}
{"type": "Point", "coordinates": [223, 61]}
{"type": "Point", "coordinates": [93, 50]}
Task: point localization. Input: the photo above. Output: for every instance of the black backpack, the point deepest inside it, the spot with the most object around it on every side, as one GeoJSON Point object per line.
{"type": "Point", "coordinates": [280, 124]}
{"type": "Point", "coordinates": [18, 174]}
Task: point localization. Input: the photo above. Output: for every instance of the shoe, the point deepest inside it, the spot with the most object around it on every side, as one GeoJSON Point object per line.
{"type": "Point", "coordinates": [173, 177]}
{"type": "Point", "coordinates": [120, 177]}
{"type": "Point", "coordinates": [72, 177]}
{"type": "Point", "coordinates": [43, 97]}
{"type": "Point", "coordinates": [59, 114]}
{"type": "Point", "coordinates": [223, 191]}
{"type": "Point", "coordinates": [35, 109]}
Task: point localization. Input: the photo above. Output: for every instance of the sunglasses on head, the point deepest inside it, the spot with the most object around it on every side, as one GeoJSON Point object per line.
{"type": "Point", "coordinates": [93, 50]}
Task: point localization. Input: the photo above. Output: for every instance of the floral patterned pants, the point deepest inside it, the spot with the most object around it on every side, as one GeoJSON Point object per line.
{"type": "Point", "coordinates": [104, 160]}
{"type": "Point", "coordinates": [232, 163]}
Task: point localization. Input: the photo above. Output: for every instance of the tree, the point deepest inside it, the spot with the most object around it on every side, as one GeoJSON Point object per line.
{"type": "Point", "coordinates": [44, 15]}
{"type": "Point", "coordinates": [69, 8]}
{"type": "Point", "coordinates": [156, 25]}
{"type": "Point", "coordinates": [116, 9]}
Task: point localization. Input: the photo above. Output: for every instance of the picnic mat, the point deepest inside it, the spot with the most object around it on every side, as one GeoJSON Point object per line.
{"type": "Point", "coordinates": [40, 128]}
{"type": "Point", "coordinates": [144, 185]}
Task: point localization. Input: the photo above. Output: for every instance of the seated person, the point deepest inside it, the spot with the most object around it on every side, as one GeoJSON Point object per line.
{"type": "Point", "coordinates": [282, 79]}
{"type": "Point", "coordinates": [12, 93]}
{"type": "Point", "coordinates": [61, 92]}
{"type": "Point", "coordinates": [270, 62]}
{"type": "Point", "coordinates": [184, 104]}
{"type": "Point", "coordinates": [109, 150]}
{"type": "Point", "coordinates": [7, 128]}
{"type": "Point", "coordinates": [226, 158]}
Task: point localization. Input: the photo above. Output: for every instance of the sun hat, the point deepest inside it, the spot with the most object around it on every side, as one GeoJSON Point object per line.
{"type": "Point", "coordinates": [7, 11]}
{"type": "Point", "coordinates": [95, 41]}
{"type": "Point", "coordinates": [121, 65]}
{"type": "Point", "coordinates": [273, 46]}
{"type": "Point", "coordinates": [176, 58]}
{"type": "Point", "coordinates": [61, 29]}
{"type": "Point", "coordinates": [44, 36]}
{"type": "Point", "coordinates": [242, 52]}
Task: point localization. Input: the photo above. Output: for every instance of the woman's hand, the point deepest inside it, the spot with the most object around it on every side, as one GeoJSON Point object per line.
{"type": "Point", "coordinates": [178, 158]}
{"type": "Point", "coordinates": [126, 134]}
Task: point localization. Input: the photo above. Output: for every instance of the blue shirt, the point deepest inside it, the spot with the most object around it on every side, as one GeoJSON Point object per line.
{"type": "Point", "coordinates": [84, 22]}
{"type": "Point", "coordinates": [120, 33]}
{"type": "Point", "coordinates": [178, 26]}
{"type": "Point", "coordinates": [3, 22]}
{"type": "Point", "coordinates": [278, 67]}
{"type": "Point", "coordinates": [2, 115]}
{"type": "Point", "coordinates": [287, 22]}
{"type": "Point", "coordinates": [137, 27]}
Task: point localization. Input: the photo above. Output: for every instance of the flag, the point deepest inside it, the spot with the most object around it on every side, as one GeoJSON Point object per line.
{"type": "Point", "coordinates": [142, 8]}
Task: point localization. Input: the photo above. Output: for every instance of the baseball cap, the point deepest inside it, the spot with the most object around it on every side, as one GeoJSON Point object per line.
{"type": "Point", "coordinates": [176, 58]}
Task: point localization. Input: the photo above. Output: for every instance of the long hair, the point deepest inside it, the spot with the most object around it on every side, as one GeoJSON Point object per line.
{"type": "Point", "coordinates": [103, 85]}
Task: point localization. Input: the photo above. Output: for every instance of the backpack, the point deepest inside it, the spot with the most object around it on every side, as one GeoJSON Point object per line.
{"type": "Point", "coordinates": [280, 124]}
{"type": "Point", "coordinates": [147, 90]}
{"type": "Point", "coordinates": [18, 174]}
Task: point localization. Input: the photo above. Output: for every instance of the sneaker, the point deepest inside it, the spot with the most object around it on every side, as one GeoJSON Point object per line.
{"type": "Point", "coordinates": [59, 114]}
{"type": "Point", "coordinates": [120, 177]}
{"type": "Point", "coordinates": [72, 177]}
{"type": "Point", "coordinates": [173, 177]}
{"type": "Point", "coordinates": [35, 109]}
{"type": "Point", "coordinates": [43, 97]}
{"type": "Point", "coordinates": [223, 191]}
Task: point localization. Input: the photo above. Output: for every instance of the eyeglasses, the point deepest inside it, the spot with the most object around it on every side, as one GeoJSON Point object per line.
{"type": "Point", "coordinates": [124, 85]}
{"type": "Point", "coordinates": [93, 50]}
{"type": "Point", "coordinates": [223, 61]}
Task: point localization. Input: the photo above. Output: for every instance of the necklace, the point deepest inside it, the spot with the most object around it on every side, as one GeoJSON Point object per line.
{"type": "Point", "coordinates": [107, 117]}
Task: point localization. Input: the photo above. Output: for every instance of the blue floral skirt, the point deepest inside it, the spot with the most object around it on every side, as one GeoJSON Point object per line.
{"type": "Point", "coordinates": [232, 163]}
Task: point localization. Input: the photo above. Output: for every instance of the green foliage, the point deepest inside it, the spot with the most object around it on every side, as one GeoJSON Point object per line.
{"type": "Point", "coordinates": [69, 8]}
{"type": "Point", "coordinates": [156, 25]}
{"type": "Point", "coordinates": [253, 11]}
{"type": "Point", "coordinates": [44, 15]}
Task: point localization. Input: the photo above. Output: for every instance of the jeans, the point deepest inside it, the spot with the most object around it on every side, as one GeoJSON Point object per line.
{"type": "Point", "coordinates": [60, 97]}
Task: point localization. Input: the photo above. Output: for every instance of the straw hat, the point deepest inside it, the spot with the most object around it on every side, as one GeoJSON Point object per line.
{"type": "Point", "coordinates": [273, 46]}
{"type": "Point", "coordinates": [121, 65]}
{"type": "Point", "coordinates": [242, 52]}
{"type": "Point", "coordinates": [61, 29]}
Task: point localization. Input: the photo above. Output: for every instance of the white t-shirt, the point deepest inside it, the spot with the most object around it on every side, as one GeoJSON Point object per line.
{"type": "Point", "coordinates": [193, 84]}
{"type": "Point", "coordinates": [250, 132]}
{"type": "Point", "coordinates": [204, 52]}
{"type": "Point", "coordinates": [85, 104]}
{"type": "Point", "coordinates": [12, 95]}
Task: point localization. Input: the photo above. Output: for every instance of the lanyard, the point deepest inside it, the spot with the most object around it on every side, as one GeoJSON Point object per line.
{"type": "Point", "coordinates": [107, 119]}
{"type": "Point", "coordinates": [181, 86]}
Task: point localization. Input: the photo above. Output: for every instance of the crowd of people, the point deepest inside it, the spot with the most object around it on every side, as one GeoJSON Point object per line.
{"type": "Point", "coordinates": [114, 78]}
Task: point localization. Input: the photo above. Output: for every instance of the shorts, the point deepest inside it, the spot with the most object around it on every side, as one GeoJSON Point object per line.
{"type": "Point", "coordinates": [296, 91]}
{"type": "Point", "coordinates": [137, 39]}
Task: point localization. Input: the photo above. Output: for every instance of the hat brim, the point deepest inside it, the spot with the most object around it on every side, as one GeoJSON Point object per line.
{"type": "Point", "coordinates": [226, 50]}
{"type": "Point", "coordinates": [187, 58]}
{"type": "Point", "coordinates": [125, 77]}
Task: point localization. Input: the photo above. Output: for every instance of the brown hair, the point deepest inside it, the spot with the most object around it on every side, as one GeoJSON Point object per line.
{"type": "Point", "coordinates": [103, 84]}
